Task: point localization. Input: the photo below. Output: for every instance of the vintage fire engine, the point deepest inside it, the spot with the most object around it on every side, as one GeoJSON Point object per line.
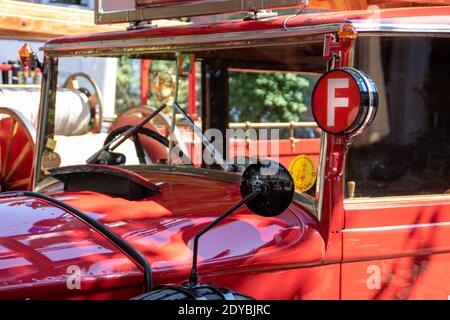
{"type": "Point", "coordinates": [95, 225]}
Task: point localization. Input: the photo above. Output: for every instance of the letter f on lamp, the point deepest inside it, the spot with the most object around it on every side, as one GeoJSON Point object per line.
{"type": "Point", "coordinates": [332, 101]}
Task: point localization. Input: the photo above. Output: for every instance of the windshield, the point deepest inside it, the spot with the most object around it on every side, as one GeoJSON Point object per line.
{"type": "Point", "coordinates": [248, 103]}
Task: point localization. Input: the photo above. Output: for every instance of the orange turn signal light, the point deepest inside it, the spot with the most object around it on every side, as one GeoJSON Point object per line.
{"type": "Point", "coordinates": [347, 31]}
{"type": "Point", "coordinates": [25, 54]}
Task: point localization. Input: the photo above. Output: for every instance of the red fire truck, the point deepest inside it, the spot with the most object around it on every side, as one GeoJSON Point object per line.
{"type": "Point", "coordinates": [373, 225]}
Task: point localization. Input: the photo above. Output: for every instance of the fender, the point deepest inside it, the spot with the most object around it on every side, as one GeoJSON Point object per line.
{"type": "Point", "coordinates": [62, 233]}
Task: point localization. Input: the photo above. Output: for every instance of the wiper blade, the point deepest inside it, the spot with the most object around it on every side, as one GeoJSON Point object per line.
{"type": "Point", "coordinates": [130, 132]}
{"type": "Point", "coordinates": [218, 157]}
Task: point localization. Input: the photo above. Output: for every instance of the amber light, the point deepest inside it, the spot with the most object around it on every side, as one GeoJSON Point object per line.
{"type": "Point", "coordinates": [347, 32]}
{"type": "Point", "coordinates": [25, 54]}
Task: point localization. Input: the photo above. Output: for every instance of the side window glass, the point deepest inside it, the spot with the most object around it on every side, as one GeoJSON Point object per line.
{"type": "Point", "coordinates": [406, 151]}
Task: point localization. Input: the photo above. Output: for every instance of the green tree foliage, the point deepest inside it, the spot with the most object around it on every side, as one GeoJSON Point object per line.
{"type": "Point", "coordinates": [127, 85]}
{"type": "Point", "coordinates": [256, 97]}
{"type": "Point", "coordinates": [268, 97]}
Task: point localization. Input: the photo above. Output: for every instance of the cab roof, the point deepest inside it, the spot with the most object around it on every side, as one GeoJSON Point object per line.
{"type": "Point", "coordinates": [416, 20]}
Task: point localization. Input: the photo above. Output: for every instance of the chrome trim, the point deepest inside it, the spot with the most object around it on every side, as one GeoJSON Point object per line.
{"type": "Point", "coordinates": [408, 254]}
{"type": "Point", "coordinates": [306, 201]}
{"type": "Point", "coordinates": [429, 197]}
{"type": "Point", "coordinates": [189, 170]}
{"type": "Point", "coordinates": [278, 125]}
{"type": "Point", "coordinates": [238, 39]}
{"type": "Point", "coordinates": [161, 168]}
{"type": "Point", "coordinates": [47, 183]}
{"type": "Point", "coordinates": [189, 43]}
{"type": "Point", "coordinates": [48, 96]}
{"type": "Point", "coordinates": [362, 26]}
{"type": "Point", "coordinates": [397, 227]}
{"type": "Point", "coordinates": [321, 174]}
{"type": "Point", "coordinates": [173, 123]}
{"type": "Point", "coordinates": [320, 181]}
{"type": "Point", "coordinates": [20, 86]}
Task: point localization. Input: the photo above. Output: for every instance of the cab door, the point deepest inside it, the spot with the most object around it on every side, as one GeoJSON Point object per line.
{"type": "Point", "coordinates": [396, 236]}
{"type": "Point", "coordinates": [397, 248]}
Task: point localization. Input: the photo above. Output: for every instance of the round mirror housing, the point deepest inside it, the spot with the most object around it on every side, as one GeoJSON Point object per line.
{"type": "Point", "coordinates": [275, 184]}
{"type": "Point", "coordinates": [344, 101]}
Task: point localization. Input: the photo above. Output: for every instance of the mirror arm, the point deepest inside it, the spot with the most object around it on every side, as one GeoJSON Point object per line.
{"type": "Point", "coordinates": [193, 278]}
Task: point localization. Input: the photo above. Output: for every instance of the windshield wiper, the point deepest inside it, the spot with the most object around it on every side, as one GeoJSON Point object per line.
{"type": "Point", "coordinates": [130, 132]}
{"type": "Point", "coordinates": [218, 157]}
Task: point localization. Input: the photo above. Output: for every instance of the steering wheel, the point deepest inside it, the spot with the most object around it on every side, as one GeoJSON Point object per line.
{"type": "Point", "coordinates": [95, 99]}
{"type": "Point", "coordinates": [141, 154]}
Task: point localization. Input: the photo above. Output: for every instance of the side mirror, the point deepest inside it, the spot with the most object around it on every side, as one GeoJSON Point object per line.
{"type": "Point", "coordinates": [266, 188]}
{"type": "Point", "coordinates": [29, 58]}
{"type": "Point", "coordinates": [275, 184]}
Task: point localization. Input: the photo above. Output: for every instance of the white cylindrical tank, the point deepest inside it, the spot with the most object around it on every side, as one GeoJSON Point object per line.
{"type": "Point", "coordinates": [72, 108]}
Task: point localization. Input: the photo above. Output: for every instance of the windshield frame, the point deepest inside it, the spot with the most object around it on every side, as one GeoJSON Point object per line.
{"type": "Point", "coordinates": [48, 86]}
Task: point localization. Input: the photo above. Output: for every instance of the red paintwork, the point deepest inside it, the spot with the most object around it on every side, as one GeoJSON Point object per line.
{"type": "Point", "coordinates": [5, 67]}
{"type": "Point", "coordinates": [162, 227]}
{"type": "Point", "coordinates": [428, 15]}
{"type": "Point", "coordinates": [333, 185]}
{"type": "Point", "coordinates": [38, 242]}
{"type": "Point", "coordinates": [377, 233]}
{"type": "Point", "coordinates": [192, 92]}
{"type": "Point", "coordinates": [284, 252]}
{"type": "Point", "coordinates": [292, 256]}
{"type": "Point", "coordinates": [18, 165]}
{"type": "Point", "coordinates": [284, 150]}
{"type": "Point", "coordinates": [389, 248]}
{"type": "Point", "coordinates": [145, 70]}
{"type": "Point", "coordinates": [311, 283]}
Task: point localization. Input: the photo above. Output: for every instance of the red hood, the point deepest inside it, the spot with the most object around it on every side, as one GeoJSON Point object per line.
{"type": "Point", "coordinates": [161, 227]}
